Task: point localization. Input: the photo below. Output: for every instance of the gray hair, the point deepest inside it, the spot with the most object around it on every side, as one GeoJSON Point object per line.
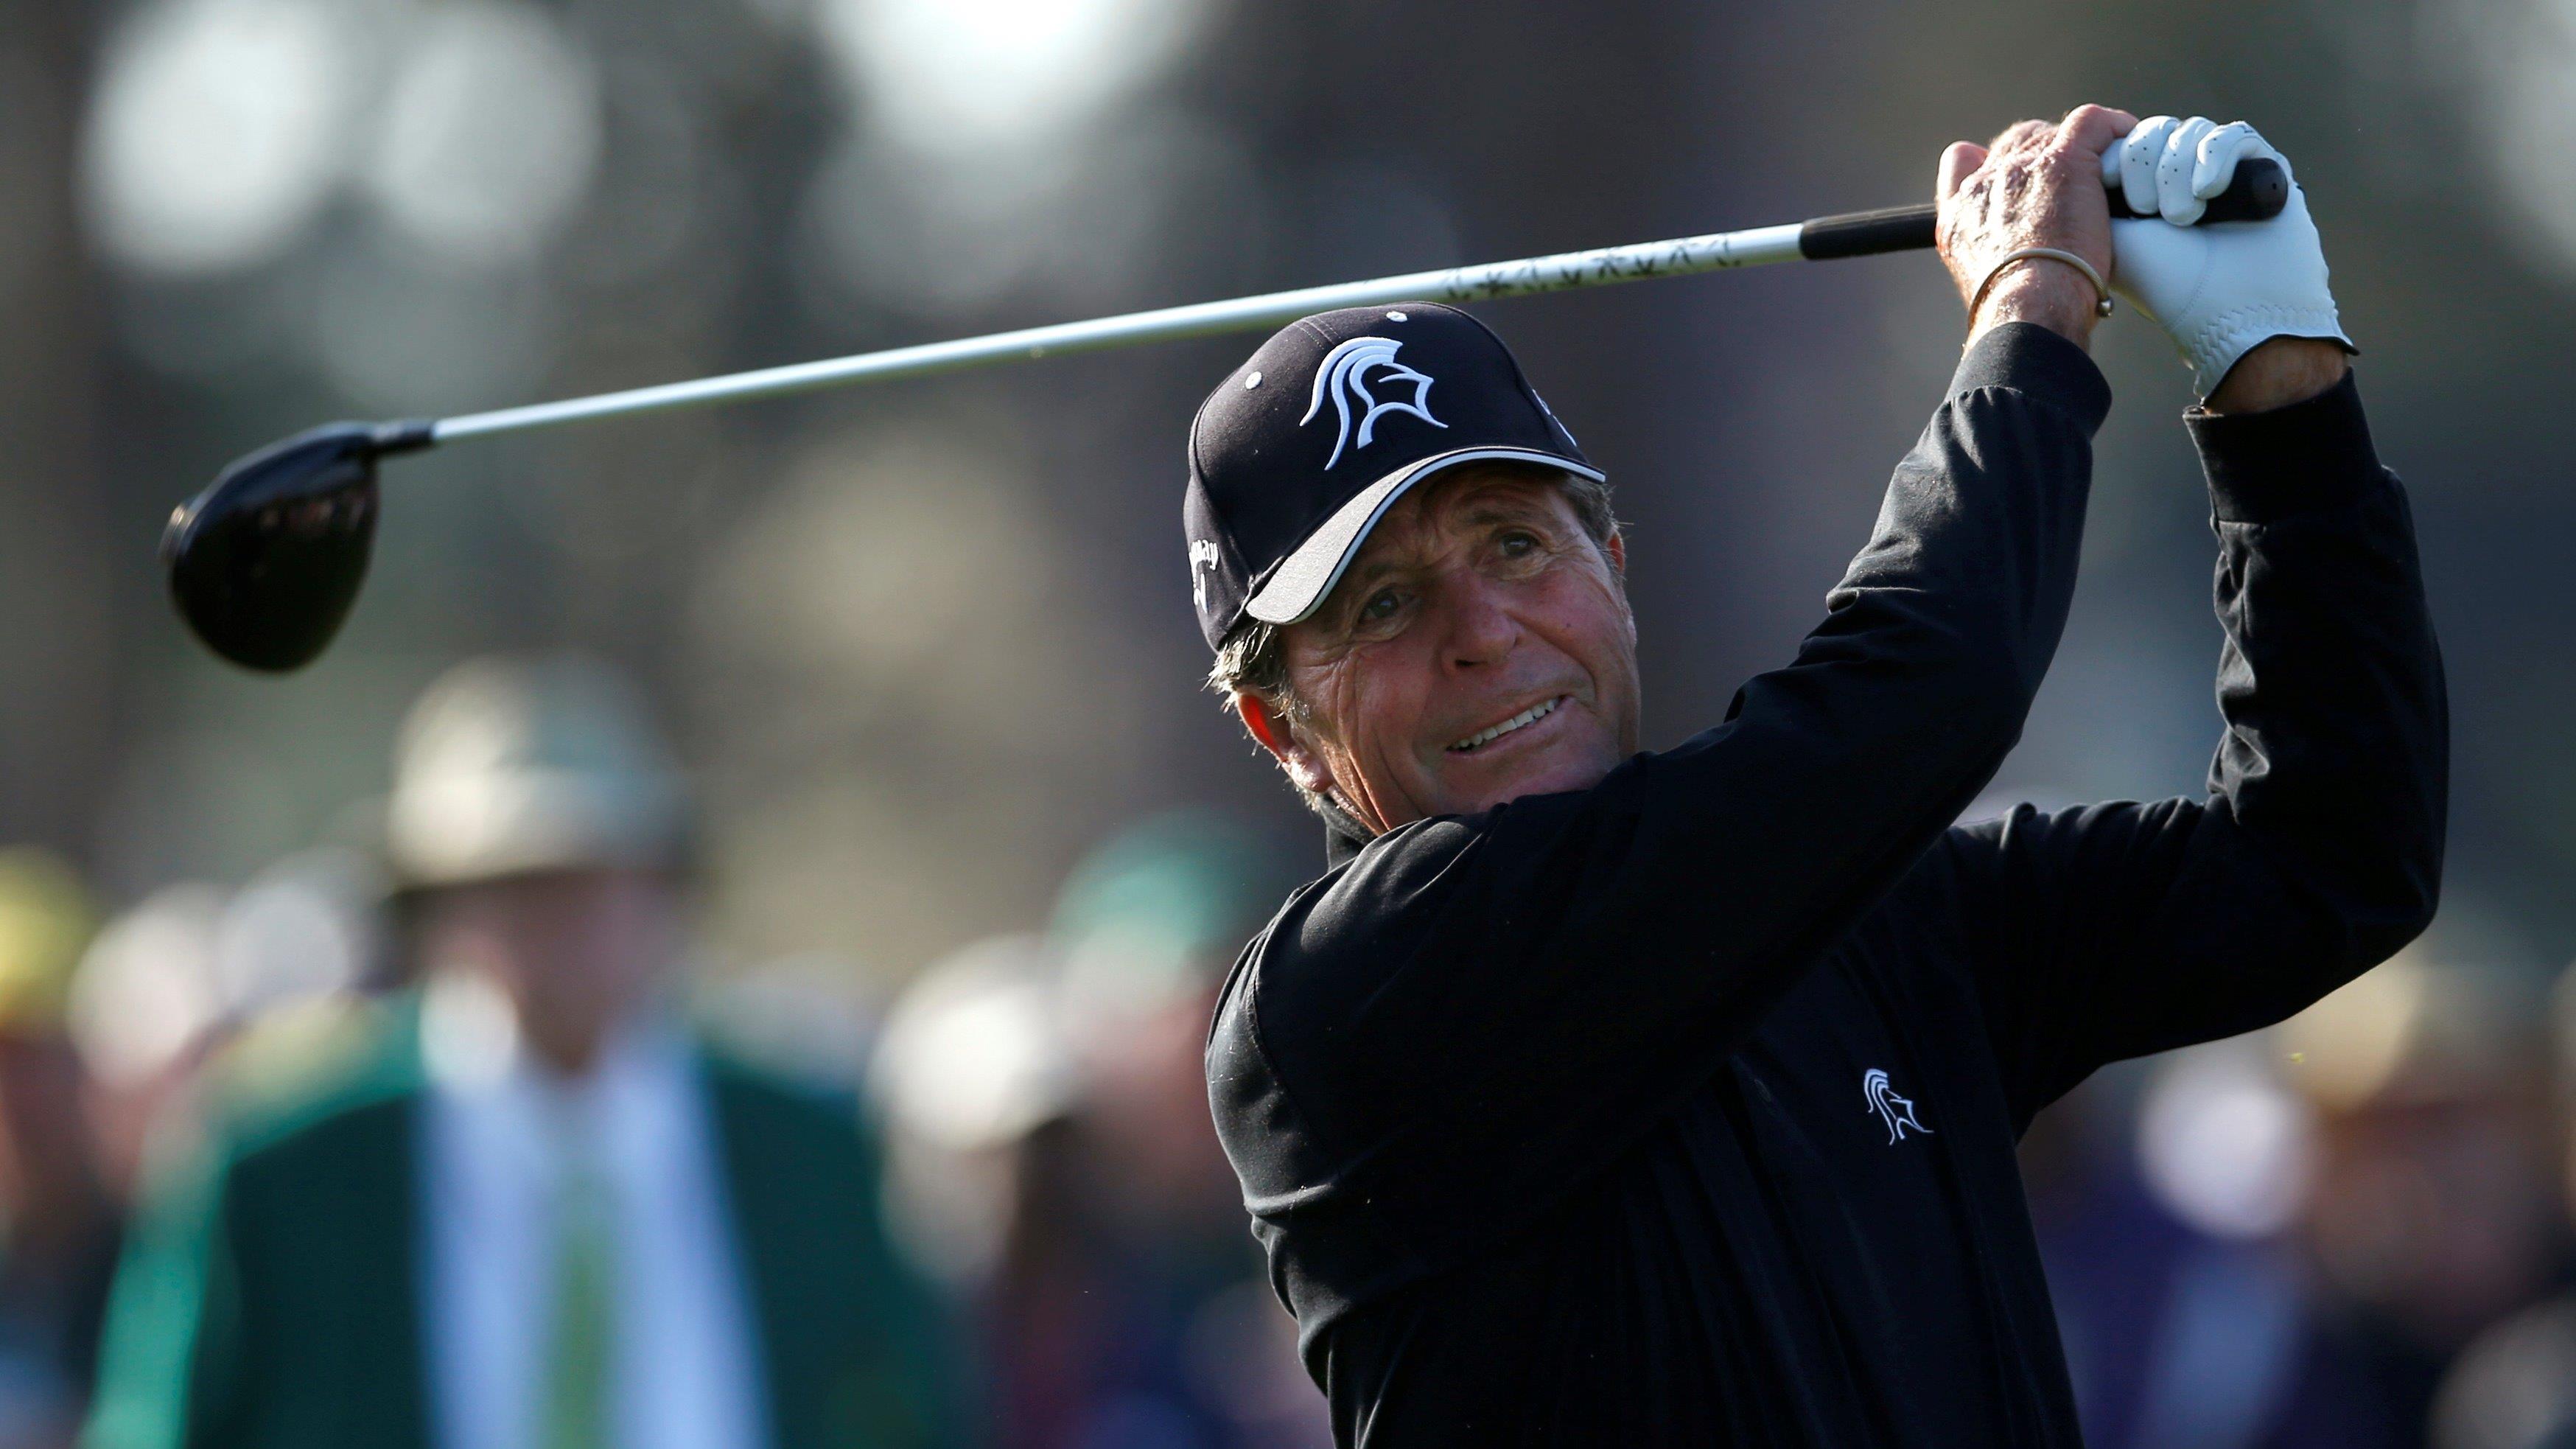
{"type": "Point", "coordinates": [1254, 658]}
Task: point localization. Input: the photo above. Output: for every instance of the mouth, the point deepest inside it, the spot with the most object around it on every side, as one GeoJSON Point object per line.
{"type": "Point", "coordinates": [1530, 716]}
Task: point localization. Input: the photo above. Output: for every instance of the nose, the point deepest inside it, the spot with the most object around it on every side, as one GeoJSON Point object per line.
{"type": "Point", "coordinates": [1481, 629]}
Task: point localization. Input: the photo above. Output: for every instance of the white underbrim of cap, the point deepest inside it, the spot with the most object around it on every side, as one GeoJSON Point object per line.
{"type": "Point", "coordinates": [1305, 578]}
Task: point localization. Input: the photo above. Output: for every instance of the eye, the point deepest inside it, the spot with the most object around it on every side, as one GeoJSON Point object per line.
{"type": "Point", "coordinates": [1381, 606]}
{"type": "Point", "coordinates": [1518, 543]}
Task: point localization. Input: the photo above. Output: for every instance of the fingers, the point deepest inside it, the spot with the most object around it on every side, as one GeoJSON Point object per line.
{"type": "Point", "coordinates": [2038, 183]}
{"type": "Point", "coordinates": [2171, 168]}
{"type": "Point", "coordinates": [1958, 162]}
{"type": "Point", "coordinates": [2091, 130]}
{"type": "Point", "coordinates": [2086, 131]}
{"type": "Point", "coordinates": [2173, 172]}
{"type": "Point", "coordinates": [2138, 157]}
{"type": "Point", "coordinates": [2215, 164]}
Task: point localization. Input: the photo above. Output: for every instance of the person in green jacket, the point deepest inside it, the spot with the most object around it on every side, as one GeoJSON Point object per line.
{"type": "Point", "coordinates": [527, 1209]}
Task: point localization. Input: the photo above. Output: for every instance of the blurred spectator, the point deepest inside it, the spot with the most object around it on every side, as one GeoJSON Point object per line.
{"type": "Point", "coordinates": [2514, 1387]}
{"type": "Point", "coordinates": [145, 1008]}
{"type": "Point", "coordinates": [259, 978]}
{"type": "Point", "coordinates": [533, 1211]}
{"type": "Point", "coordinates": [58, 1229]}
{"type": "Point", "coordinates": [1055, 1159]}
{"type": "Point", "coordinates": [972, 1067]}
{"type": "Point", "coordinates": [2434, 1210]}
{"type": "Point", "coordinates": [2184, 1303]}
{"type": "Point", "coordinates": [2292, 1235]}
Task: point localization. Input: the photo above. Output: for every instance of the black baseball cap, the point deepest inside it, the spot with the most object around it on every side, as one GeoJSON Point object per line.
{"type": "Point", "coordinates": [1299, 452]}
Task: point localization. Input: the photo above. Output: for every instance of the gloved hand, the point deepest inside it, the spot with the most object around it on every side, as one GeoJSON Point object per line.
{"type": "Point", "coordinates": [2222, 289]}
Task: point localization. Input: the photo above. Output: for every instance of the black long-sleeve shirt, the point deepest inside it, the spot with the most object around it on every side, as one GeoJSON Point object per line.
{"type": "Point", "coordinates": [1682, 1109]}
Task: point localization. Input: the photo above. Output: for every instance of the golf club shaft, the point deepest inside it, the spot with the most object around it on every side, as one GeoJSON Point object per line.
{"type": "Point", "coordinates": [2259, 189]}
{"type": "Point", "coordinates": [1560, 272]}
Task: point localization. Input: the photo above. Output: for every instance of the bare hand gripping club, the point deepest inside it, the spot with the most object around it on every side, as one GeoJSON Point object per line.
{"type": "Point", "coordinates": [266, 562]}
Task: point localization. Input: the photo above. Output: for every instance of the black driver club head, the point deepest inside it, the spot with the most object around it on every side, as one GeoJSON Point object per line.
{"type": "Point", "coordinates": [265, 563]}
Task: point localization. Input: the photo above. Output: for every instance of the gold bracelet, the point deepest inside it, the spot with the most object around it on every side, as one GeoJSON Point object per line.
{"type": "Point", "coordinates": [2101, 308]}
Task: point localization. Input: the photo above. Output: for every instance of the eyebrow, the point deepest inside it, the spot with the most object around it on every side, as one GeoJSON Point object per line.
{"type": "Point", "coordinates": [1355, 585]}
{"type": "Point", "coordinates": [1482, 514]}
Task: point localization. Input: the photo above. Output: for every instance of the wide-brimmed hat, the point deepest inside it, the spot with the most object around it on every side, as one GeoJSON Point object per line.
{"type": "Point", "coordinates": [512, 766]}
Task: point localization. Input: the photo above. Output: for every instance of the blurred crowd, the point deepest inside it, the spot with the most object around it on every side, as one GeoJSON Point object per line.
{"type": "Point", "coordinates": [2350, 1230]}
{"type": "Point", "coordinates": [447, 1133]}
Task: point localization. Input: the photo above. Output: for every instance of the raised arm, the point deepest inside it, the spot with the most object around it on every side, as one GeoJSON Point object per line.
{"type": "Point", "coordinates": [2123, 929]}
{"type": "Point", "coordinates": [2117, 930]}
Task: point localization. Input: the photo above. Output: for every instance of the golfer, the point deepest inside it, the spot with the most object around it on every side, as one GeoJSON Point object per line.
{"type": "Point", "coordinates": [1604, 1097]}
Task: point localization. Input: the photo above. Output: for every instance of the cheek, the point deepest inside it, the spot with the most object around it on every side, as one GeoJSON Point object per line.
{"type": "Point", "coordinates": [1585, 616]}
{"type": "Point", "coordinates": [1367, 701]}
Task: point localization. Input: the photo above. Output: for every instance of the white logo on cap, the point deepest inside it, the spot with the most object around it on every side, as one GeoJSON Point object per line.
{"type": "Point", "coordinates": [1203, 555]}
{"type": "Point", "coordinates": [1344, 373]}
{"type": "Point", "coordinates": [1552, 417]}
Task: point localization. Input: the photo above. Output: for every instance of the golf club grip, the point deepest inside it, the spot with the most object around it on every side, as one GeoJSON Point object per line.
{"type": "Point", "coordinates": [2258, 192]}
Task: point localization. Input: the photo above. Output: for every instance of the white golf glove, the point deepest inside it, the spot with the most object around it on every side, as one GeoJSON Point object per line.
{"type": "Point", "coordinates": [2217, 290]}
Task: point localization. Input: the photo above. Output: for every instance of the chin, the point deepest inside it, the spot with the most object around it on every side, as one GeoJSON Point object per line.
{"type": "Point", "coordinates": [1555, 773]}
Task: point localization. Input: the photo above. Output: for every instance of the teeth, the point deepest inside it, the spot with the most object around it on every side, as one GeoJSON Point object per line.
{"type": "Point", "coordinates": [1529, 716]}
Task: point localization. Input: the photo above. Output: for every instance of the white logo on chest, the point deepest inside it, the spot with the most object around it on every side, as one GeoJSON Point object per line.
{"type": "Point", "coordinates": [1897, 1112]}
{"type": "Point", "coordinates": [1344, 375]}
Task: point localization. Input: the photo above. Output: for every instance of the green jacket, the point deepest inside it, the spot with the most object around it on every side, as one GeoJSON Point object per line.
{"type": "Point", "coordinates": [270, 1297]}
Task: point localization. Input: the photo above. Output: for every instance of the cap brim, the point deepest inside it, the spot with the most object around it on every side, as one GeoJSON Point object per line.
{"type": "Point", "coordinates": [1305, 578]}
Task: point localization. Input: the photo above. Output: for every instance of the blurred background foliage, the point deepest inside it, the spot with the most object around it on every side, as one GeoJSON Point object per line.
{"type": "Point", "coordinates": [926, 641]}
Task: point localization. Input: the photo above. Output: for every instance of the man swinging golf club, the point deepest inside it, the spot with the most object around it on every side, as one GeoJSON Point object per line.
{"type": "Point", "coordinates": [1599, 1097]}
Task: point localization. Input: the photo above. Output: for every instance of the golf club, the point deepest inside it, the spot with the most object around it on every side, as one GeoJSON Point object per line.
{"type": "Point", "coordinates": [266, 562]}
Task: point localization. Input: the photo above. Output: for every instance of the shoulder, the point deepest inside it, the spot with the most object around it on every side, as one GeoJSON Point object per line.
{"type": "Point", "coordinates": [330, 1078]}
{"type": "Point", "coordinates": [762, 1111]}
{"type": "Point", "coordinates": [310, 1169]}
{"type": "Point", "coordinates": [1441, 884]}
{"type": "Point", "coordinates": [1353, 916]}
{"type": "Point", "coordinates": [1394, 887]}
{"type": "Point", "coordinates": [1316, 980]}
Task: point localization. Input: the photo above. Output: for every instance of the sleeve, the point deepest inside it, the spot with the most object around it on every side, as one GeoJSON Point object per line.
{"type": "Point", "coordinates": [1477, 1010]}
{"type": "Point", "coordinates": [2111, 931]}
{"type": "Point", "coordinates": [170, 1373]}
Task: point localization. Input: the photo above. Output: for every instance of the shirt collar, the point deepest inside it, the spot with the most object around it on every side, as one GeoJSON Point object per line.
{"type": "Point", "coordinates": [623, 1114]}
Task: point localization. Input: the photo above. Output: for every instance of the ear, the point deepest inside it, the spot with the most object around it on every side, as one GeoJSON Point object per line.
{"type": "Point", "coordinates": [1614, 549]}
{"type": "Point", "coordinates": [1274, 734]}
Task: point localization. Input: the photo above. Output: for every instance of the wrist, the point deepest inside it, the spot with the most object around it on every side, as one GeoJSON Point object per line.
{"type": "Point", "coordinates": [2276, 373]}
{"type": "Point", "coordinates": [2039, 290]}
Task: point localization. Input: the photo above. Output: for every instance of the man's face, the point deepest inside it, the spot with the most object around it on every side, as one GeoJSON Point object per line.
{"type": "Point", "coordinates": [1479, 649]}
{"type": "Point", "coordinates": [577, 952]}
